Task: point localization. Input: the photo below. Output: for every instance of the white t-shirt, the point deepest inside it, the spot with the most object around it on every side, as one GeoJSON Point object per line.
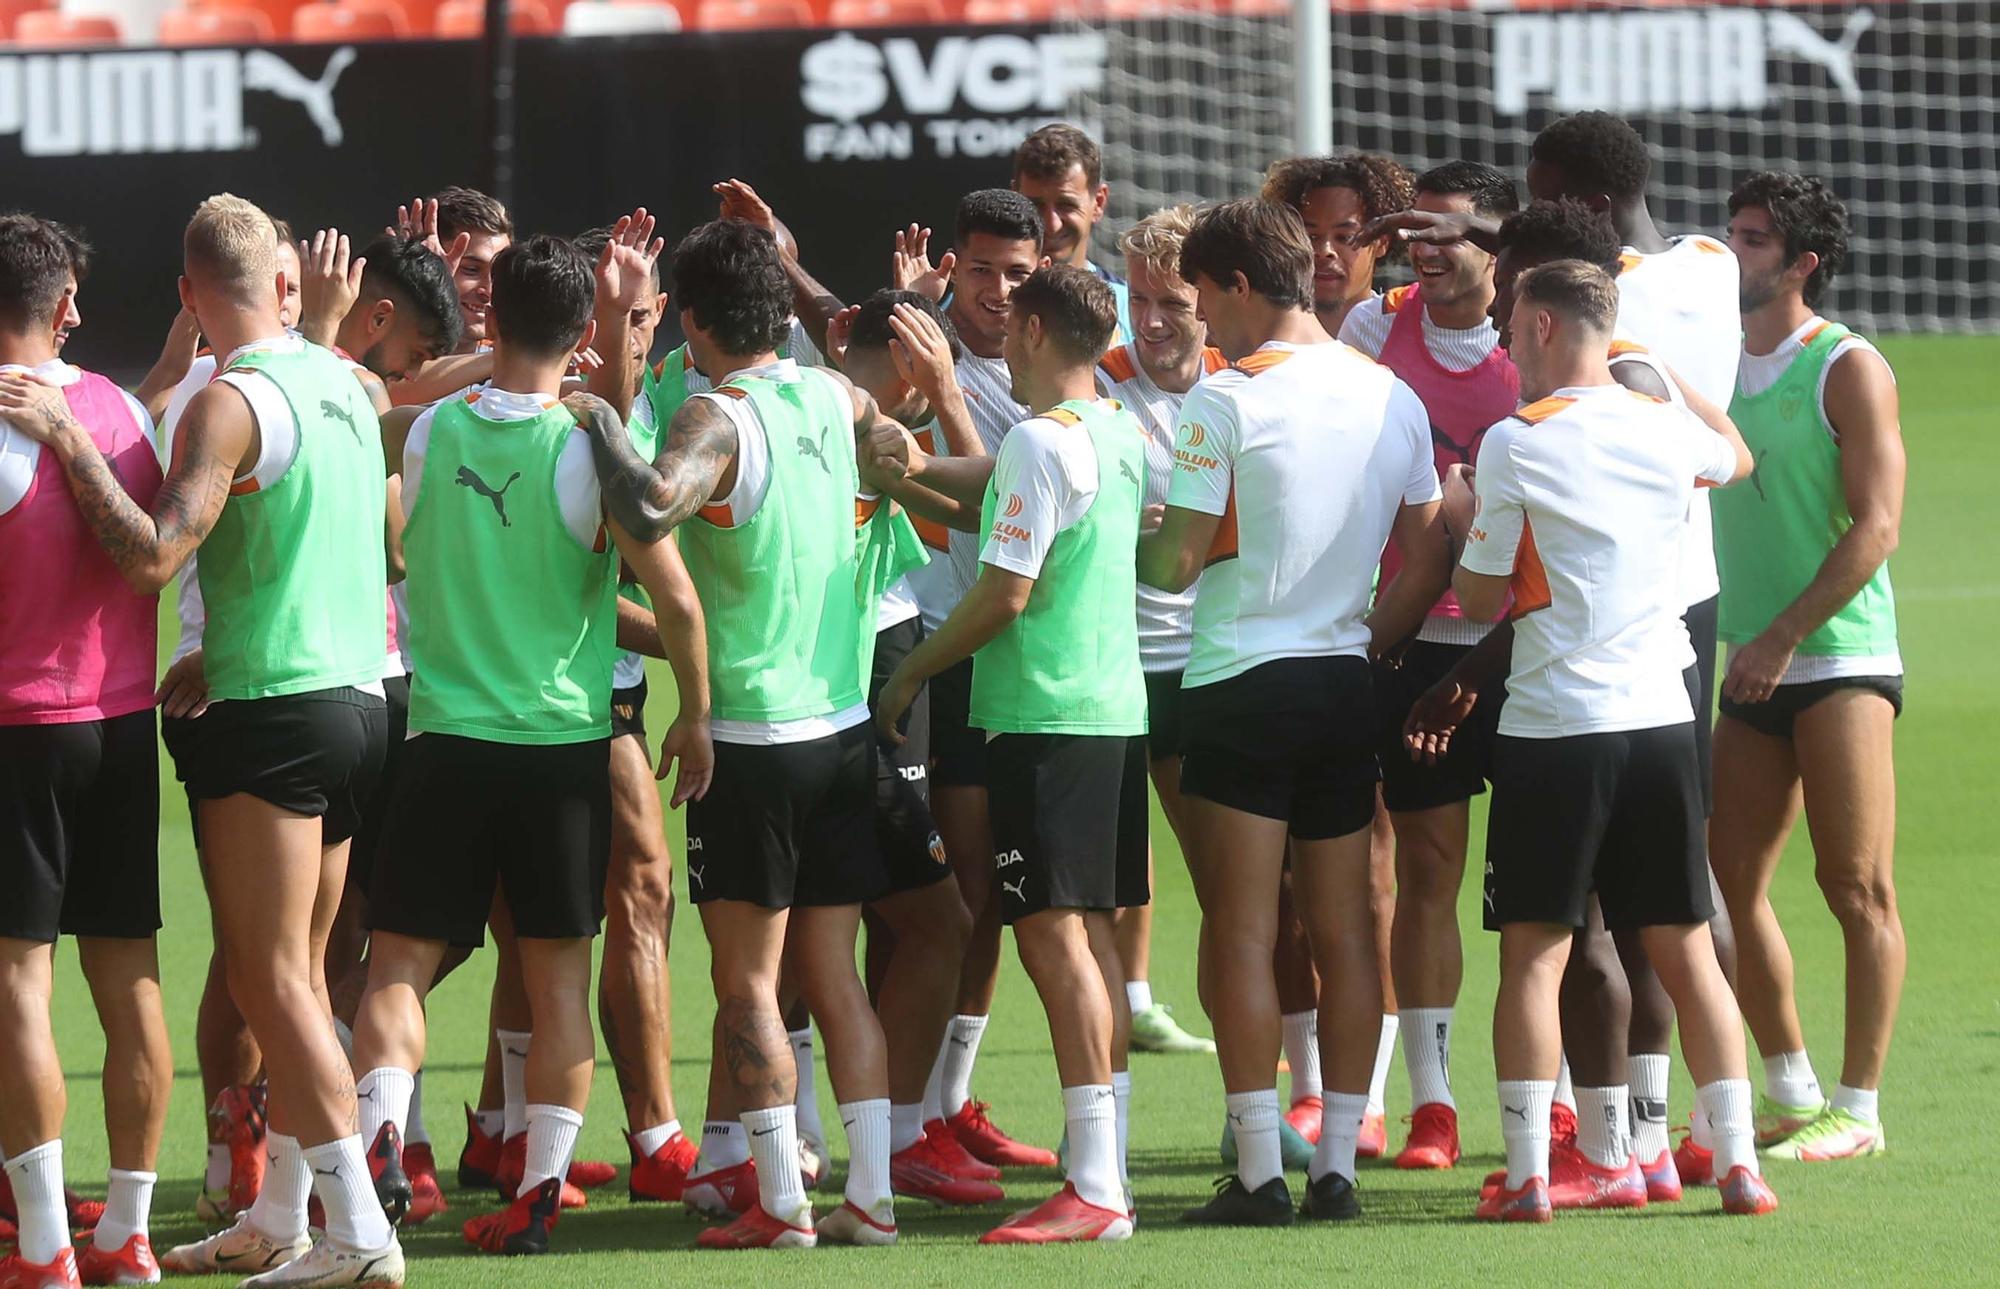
{"type": "Point", "coordinates": [989, 395]}
{"type": "Point", "coordinates": [1307, 452]}
{"type": "Point", "coordinates": [21, 456]}
{"type": "Point", "coordinates": [1047, 474]}
{"type": "Point", "coordinates": [1368, 324]}
{"type": "Point", "coordinates": [1582, 500]}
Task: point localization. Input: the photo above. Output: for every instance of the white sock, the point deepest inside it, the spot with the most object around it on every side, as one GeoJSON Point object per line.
{"type": "Point", "coordinates": [1728, 1104]}
{"type": "Point", "coordinates": [1524, 1126]}
{"type": "Point", "coordinates": [906, 1127]}
{"type": "Point", "coordinates": [37, 1176]}
{"type": "Point", "coordinates": [490, 1122]}
{"type": "Point", "coordinates": [1601, 1116]}
{"type": "Point", "coordinates": [1648, 1073]}
{"type": "Point", "coordinates": [867, 1126]}
{"type": "Point", "coordinates": [1565, 1093]}
{"type": "Point", "coordinates": [933, 1104]}
{"type": "Point", "coordinates": [807, 1095]}
{"type": "Point", "coordinates": [1699, 1131]}
{"type": "Point", "coordinates": [1427, 1055]}
{"type": "Point", "coordinates": [1301, 1032]}
{"type": "Point", "coordinates": [280, 1208]}
{"type": "Point", "coordinates": [723, 1145]}
{"type": "Point", "coordinates": [341, 1180]}
{"type": "Point", "coordinates": [1090, 1113]}
{"type": "Point", "coordinates": [1789, 1080]}
{"type": "Point", "coordinates": [513, 1081]}
{"type": "Point", "coordinates": [217, 1176]}
{"type": "Point", "coordinates": [1121, 1091]}
{"type": "Point", "coordinates": [961, 1048]}
{"type": "Point", "coordinates": [1253, 1118]}
{"type": "Point", "coordinates": [414, 1131]}
{"type": "Point", "coordinates": [774, 1144]}
{"type": "Point", "coordinates": [128, 1209]}
{"type": "Point", "coordinates": [552, 1133]}
{"type": "Point", "coordinates": [1138, 995]}
{"type": "Point", "coordinates": [383, 1096]}
{"type": "Point", "coordinates": [1339, 1130]}
{"type": "Point", "coordinates": [649, 1140]}
{"type": "Point", "coordinates": [1862, 1103]}
{"type": "Point", "coordinates": [1385, 1052]}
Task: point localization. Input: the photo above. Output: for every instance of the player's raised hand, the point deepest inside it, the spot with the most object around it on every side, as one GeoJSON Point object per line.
{"type": "Point", "coordinates": [625, 266]}
{"type": "Point", "coordinates": [418, 222]}
{"type": "Point", "coordinates": [910, 267]}
{"type": "Point", "coordinates": [740, 201]}
{"type": "Point", "coordinates": [839, 331]}
{"type": "Point", "coordinates": [1437, 227]}
{"type": "Point", "coordinates": [921, 351]}
{"type": "Point", "coordinates": [329, 284]}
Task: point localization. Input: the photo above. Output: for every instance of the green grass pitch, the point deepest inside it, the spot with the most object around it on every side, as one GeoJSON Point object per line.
{"type": "Point", "coordinates": [1918, 1214]}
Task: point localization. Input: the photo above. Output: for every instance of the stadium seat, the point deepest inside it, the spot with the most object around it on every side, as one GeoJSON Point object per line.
{"type": "Point", "coordinates": [328, 24]}
{"type": "Point", "coordinates": [466, 19]}
{"type": "Point", "coordinates": [620, 18]}
{"type": "Point", "coordinates": [11, 11]}
{"type": "Point", "coordinates": [215, 27]}
{"type": "Point", "coordinates": [49, 28]}
{"type": "Point", "coordinates": [999, 12]}
{"type": "Point", "coordinates": [884, 13]}
{"type": "Point", "coordinates": [751, 15]}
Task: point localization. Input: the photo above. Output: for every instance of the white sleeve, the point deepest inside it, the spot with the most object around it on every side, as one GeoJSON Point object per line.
{"type": "Point", "coordinates": [1367, 327]}
{"type": "Point", "coordinates": [144, 421]}
{"type": "Point", "coordinates": [1205, 443]}
{"type": "Point", "coordinates": [753, 460]}
{"type": "Point", "coordinates": [577, 494]}
{"type": "Point", "coordinates": [1714, 457]}
{"type": "Point", "coordinates": [415, 444]}
{"type": "Point", "coordinates": [1036, 497]}
{"type": "Point", "coordinates": [1406, 413]}
{"type": "Point", "coordinates": [200, 372]}
{"type": "Point", "coordinates": [277, 427]}
{"type": "Point", "coordinates": [1500, 515]}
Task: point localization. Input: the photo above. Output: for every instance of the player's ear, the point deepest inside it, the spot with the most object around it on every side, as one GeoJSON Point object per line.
{"type": "Point", "coordinates": [1599, 201]}
{"type": "Point", "coordinates": [186, 289]}
{"type": "Point", "coordinates": [383, 317]}
{"type": "Point", "coordinates": [1238, 281]}
{"type": "Point", "coordinates": [1804, 266]}
{"type": "Point", "coordinates": [1101, 199]}
{"type": "Point", "coordinates": [589, 333]}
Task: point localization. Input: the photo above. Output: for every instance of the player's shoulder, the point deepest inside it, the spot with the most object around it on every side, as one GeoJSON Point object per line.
{"type": "Point", "coordinates": [1390, 302]}
{"type": "Point", "coordinates": [1701, 245]}
{"type": "Point", "coordinates": [1118, 365]}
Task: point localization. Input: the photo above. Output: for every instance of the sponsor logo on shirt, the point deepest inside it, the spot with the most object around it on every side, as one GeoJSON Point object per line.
{"type": "Point", "coordinates": [1197, 435]}
{"type": "Point", "coordinates": [1013, 504]}
{"type": "Point", "coordinates": [1194, 462]}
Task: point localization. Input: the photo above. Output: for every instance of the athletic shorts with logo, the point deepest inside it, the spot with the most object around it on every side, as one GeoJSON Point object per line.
{"type": "Point", "coordinates": [628, 712]}
{"type": "Point", "coordinates": [468, 815]}
{"type": "Point", "coordinates": [317, 754]}
{"type": "Point", "coordinates": [1069, 822]}
{"type": "Point", "coordinates": [1292, 739]}
{"type": "Point", "coordinates": [375, 812]}
{"type": "Point", "coordinates": [1461, 772]}
{"type": "Point", "coordinates": [1163, 714]}
{"type": "Point", "coordinates": [911, 848]}
{"type": "Point", "coordinates": [958, 751]}
{"type": "Point", "coordinates": [789, 824]}
{"type": "Point", "coordinates": [1777, 715]}
{"type": "Point", "coordinates": [1616, 813]}
{"type": "Point", "coordinates": [80, 814]}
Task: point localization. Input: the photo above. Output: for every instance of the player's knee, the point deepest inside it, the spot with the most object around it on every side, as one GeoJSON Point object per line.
{"type": "Point", "coordinates": [1858, 899]}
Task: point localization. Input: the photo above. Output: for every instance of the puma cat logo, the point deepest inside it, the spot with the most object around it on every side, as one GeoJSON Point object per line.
{"type": "Point", "coordinates": [1757, 473]}
{"type": "Point", "coordinates": [1015, 889]}
{"type": "Point", "coordinates": [1125, 468]}
{"type": "Point", "coordinates": [817, 451]}
{"type": "Point", "coordinates": [333, 411]}
{"type": "Point", "coordinates": [467, 479]}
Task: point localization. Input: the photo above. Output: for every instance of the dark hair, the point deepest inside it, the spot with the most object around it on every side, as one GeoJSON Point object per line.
{"type": "Point", "coordinates": [1807, 214]}
{"type": "Point", "coordinates": [1563, 229]}
{"type": "Point", "coordinates": [543, 294]}
{"type": "Point", "coordinates": [1597, 153]}
{"type": "Point", "coordinates": [1051, 151]}
{"type": "Point", "coordinates": [1490, 188]}
{"type": "Point", "coordinates": [417, 279]}
{"type": "Point", "coordinates": [728, 275]}
{"type": "Point", "coordinates": [1383, 183]}
{"type": "Point", "coordinates": [468, 210]}
{"type": "Point", "coordinates": [37, 259]}
{"type": "Point", "coordinates": [871, 322]}
{"type": "Point", "coordinates": [999, 212]}
{"type": "Point", "coordinates": [1262, 240]}
{"type": "Point", "coordinates": [1577, 290]}
{"type": "Point", "coordinates": [1078, 310]}
{"type": "Point", "coordinates": [592, 242]}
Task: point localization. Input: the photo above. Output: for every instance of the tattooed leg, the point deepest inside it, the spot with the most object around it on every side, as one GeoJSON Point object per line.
{"type": "Point", "coordinates": [746, 943]}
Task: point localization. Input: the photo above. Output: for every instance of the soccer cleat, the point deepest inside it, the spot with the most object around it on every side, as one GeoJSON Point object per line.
{"type": "Point", "coordinates": [1694, 1165]}
{"type": "Point", "coordinates": [521, 1227]}
{"type": "Point", "coordinates": [236, 1119]}
{"type": "Point", "coordinates": [921, 1173]}
{"type": "Point", "coordinates": [514, 1163]}
{"type": "Point", "coordinates": [1528, 1204]}
{"type": "Point", "coordinates": [1835, 1134]}
{"type": "Point", "coordinates": [1577, 1181]}
{"type": "Point", "coordinates": [662, 1176]}
{"type": "Point", "coordinates": [757, 1229]}
{"type": "Point", "coordinates": [426, 1195]}
{"type": "Point", "coordinates": [211, 1209]}
{"type": "Point", "coordinates": [1744, 1194]}
{"type": "Point", "coordinates": [1331, 1199]}
{"type": "Point", "coordinates": [1235, 1204]}
{"type": "Point", "coordinates": [18, 1273]}
{"type": "Point", "coordinates": [1562, 1125]}
{"type": "Point", "coordinates": [592, 1173]}
{"type": "Point", "coordinates": [1293, 1150]}
{"type": "Point", "coordinates": [241, 1249]}
{"type": "Point", "coordinates": [814, 1162]}
{"type": "Point", "coordinates": [1374, 1138]}
{"type": "Point", "coordinates": [385, 1169]}
{"type": "Point", "coordinates": [1156, 1030]}
{"type": "Point", "coordinates": [82, 1214]}
{"type": "Point", "coordinates": [1433, 1140]}
{"type": "Point", "coordinates": [1777, 1121]}
{"type": "Point", "coordinates": [1305, 1117]}
{"type": "Point", "coordinates": [479, 1162]}
{"type": "Point", "coordinates": [1064, 1218]}
{"type": "Point", "coordinates": [724, 1193]}
{"type": "Point", "coordinates": [8, 1234]}
{"type": "Point", "coordinates": [848, 1224]}
{"type": "Point", "coordinates": [132, 1264]}
{"type": "Point", "coordinates": [957, 1160]}
{"type": "Point", "coordinates": [984, 1141]}
{"type": "Point", "coordinates": [327, 1263]}
{"type": "Point", "coordinates": [1663, 1180]}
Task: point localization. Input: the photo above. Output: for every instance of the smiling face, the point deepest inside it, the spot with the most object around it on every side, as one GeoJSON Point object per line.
{"type": "Point", "coordinates": [475, 282]}
{"type": "Point", "coordinates": [1454, 272]}
{"type": "Point", "coordinates": [989, 268]}
{"type": "Point", "coordinates": [1166, 322]}
{"type": "Point", "coordinates": [1342, 270]}
{"type": "Point", "coordinates": [288, 264]}
{"type": "Point", "coordinates": [1070, 207]}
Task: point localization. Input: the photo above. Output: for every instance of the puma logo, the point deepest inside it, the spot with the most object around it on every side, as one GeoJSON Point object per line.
{"type": "Point", "coordinates": [817, 451]}
{"type": "Point", "coordinates": [1125, 468]}
{"type": "Point", "coordinates": [1757, 473]}
{"type": "Point", "coordinates": [1463, 454]}
{"type": "Point", "coordinates": [264, 70]}
{"type": "Point", "coordinates": [956, 1041]}
{"type": "Point", "coordinates": [1790, 34]}
{"type": "Point", "coordinates": [1519, 1112]}
{"type": "Point", "coordinates": [333, 411]}
{"type": "Point", "coordinates": [467, 479]}
{"type": "Point", "coordinates": [327, 1172]}
{"type": "Point", "coordinates": [694, 875]}
{"type": "Point", "coordinates": [1015, 889]}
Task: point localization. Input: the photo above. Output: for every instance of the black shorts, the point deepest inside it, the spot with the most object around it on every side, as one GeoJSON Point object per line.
{"type": "Point", "coordinates": [316, 754]}
{"type": "Point", "coordinates": [1617, 813]}
{"type": "Point", "coordinates": [181, 736]}
{"type": "Point", "coordinates": [958, 751]}
{"type": "Point", "coordinates": [628, 712]}
{"type": "Point", "coordinates": [1069, 822]}
{"type": "Point", "coordinates": [788, 824]}
{"type": "Point", "coordinates": [1776, 714]}
{"type": "Point", "coordinates": [375, 812]}
{"type": "Point", "coordinates": [467, 813]}
{"type": "Point", "coordinates": [80, 823]}
{"type": "Point", "coordinates": [1292, 739]}
{"type": "Point", "coordinates": [1700, 680]}
{"type": "Point", "coordinates": [1461, 775]}
{"type": "Point", "coordinates": [911, 848]}
{"type": "Point", "coordinates": [1163, 714]}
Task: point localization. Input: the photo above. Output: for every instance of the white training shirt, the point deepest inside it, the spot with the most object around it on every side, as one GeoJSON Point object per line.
{"type": "Point", "coordinates": [1050, 470]}
{"type": "Point", "coordinates": [1582, 499]}
{"type": "Point", "coordinates": [21, 456]}
{"type": "Point", "coordinates": [989, 395]}
{"type": "Point", "coordinates": [1307, 452]}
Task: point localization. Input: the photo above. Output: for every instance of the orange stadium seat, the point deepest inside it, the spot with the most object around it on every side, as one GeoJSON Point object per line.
{"type": "Point", "coordinates": [466, 19]}
{"type": "Point", "coordinates": [750, 15]}
{"type": "Point", "coordinates": [215, 27]}
{"type": "Point", "coordinates": [49, 27]}
{"type": "Point", "coordinates": [884, 13]}
{"type": "Point", "coordinates": [11, 11]}
{"type": "Point", "coordinates": [328, 24]}
{"type": "Point", "coordinates": [1011, 11]}
{"type": "Point", "coordinates": [279, 12]}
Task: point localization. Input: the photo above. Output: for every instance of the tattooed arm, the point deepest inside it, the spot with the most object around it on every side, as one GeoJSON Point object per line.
{"type": "Point", "coordinates": [216, 432]}
{"type": "Point", "coordinates": [648, 500]}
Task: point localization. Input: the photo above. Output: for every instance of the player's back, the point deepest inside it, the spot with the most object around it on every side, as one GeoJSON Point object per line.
{"type": "Point", "coordinates": [1682, 304]}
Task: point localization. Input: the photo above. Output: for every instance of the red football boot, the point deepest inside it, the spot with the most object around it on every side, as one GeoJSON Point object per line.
{"type": "Point", "coordinates": [1528, 1204]}
{"type": "Point", "coordinates": [757, 1229]}
{"type": "Point", "coordinates": [663, 1175]}
{"type": "Point", "coordinates": [725, 1193]}
{"type": "Point", "coordinates": [514, 1164]}
{"type": "Point", "coordinates": [592, 1173]}
{"type": "Point", "coordinates": [1746, 1195]}
{"type": "Point", "coordinates": [958, 1161]}
{"type": "Point", "coordinates": [15, 1273]}
{"type": "Point", "coordinates": [385, 1169]}
{"type": "Point", "coordinates": [479, 1162]}
{"type": "Point", "coordinates": [984, 1141]}
{"type": "Point", "coordinates": [521, 1227]}
{"type": "Point", "coordinates": [1562, 1125]}
{"type": "Point", "coordinates": [133, 1264]}
{"type": "Point", "coordinates": [1374, 1138]}
{"type": "Point", "coordinates": [1306, 1115]}
{"type": "Point", "coordinates": [1433, 1141]}
{"type": "Point", "coordinates": [919, 1171]}
{"type": "Point", "coordinates": [237, 1120]}
{"type": "Point", "coordinates": [1578, 1181]}
{"type": "Point", "coordinates": [1663, 1181]}
{"type": "Point", "coordinates": [1695, 1164]}
{"type": "Point", "coordinates": [1064, 1218]}
{"type": "Point", "coordinates": [426, 1194]}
